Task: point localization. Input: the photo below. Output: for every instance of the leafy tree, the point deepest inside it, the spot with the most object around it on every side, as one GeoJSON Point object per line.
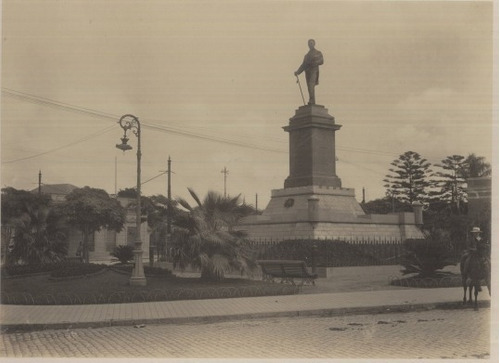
{"type": "Point", "coordinates": [451, 183]}
{"type": "Point", "coordinates": [156, 209]}
{"type": "Point", "coordinates": [408, 181]}
{"type": "Point", "coordinates": [89, 210]}
{"type": "Point", "coordinates": [444, 225]}
{"type": "Point", "coordinates": [158, 220]}
{"type": "Point", "coordinates": [15, 203]}
{"type": "Point", "coordinates": [127, 193]}
{"type": "Point", "coordinates": [146, 204]}
{"type": "Point", "coordinates": [476, 166]}
{"type": "Point", "coordinates": [38, 236]}
{"type": "Point", "coordinates": [204, 237]}
{"type": "Point", "coordinates": [383, 206]}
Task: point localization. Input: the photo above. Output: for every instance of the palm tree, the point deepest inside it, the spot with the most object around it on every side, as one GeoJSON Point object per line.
{"type": "Point", "coordinates": [204, 237]}
{"type": "Point", "coordinates": [476, 166]}
{"type": "Point", "coordinates": [38, 236]}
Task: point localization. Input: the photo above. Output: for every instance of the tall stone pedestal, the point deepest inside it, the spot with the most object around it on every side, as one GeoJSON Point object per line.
{"type": "Point", "coordinates": [312, 148]}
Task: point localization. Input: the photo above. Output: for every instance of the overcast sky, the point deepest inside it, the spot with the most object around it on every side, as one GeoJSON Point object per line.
{"type": "Point", "coordinates": [212, 83]}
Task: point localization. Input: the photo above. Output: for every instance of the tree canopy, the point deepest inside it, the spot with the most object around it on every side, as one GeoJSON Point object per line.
{"type": "Point", "coordinates": [408, 180]}
{"type": "Point", "coordinates": [39, 236]}
{"type": "Point", "coordinates": [32, 228]}
{"type": "Point", "coordinates": [476, 166]}
{"type": "Point", "coordinates": [451, 183]}
{"type": "Point", "coordinates": [90, 210]}
{"type": "Point", "coordinates": [15, 202]}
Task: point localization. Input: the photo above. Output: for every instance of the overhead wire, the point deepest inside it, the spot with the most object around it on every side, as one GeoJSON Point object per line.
{"type": "Point", "coordinates": [55, 104]}
{"type": "Point", "coordinates": [85, 138]}
{"type": "Point", "coordinates": [156, 176]}
{"type": "Point", "coordinates": [184, 131]}
{"type": "Point", "coordinates": [161, 128]}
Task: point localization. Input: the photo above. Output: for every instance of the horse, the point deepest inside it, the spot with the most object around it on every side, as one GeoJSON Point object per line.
{"type": "Point", "coordinates": [475, 266]}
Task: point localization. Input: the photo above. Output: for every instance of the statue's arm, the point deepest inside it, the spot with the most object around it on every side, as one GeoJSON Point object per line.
{"type": "Point", "coordinates": [320, 58]}
{"type": "Point", "coordinates": [302, 67]}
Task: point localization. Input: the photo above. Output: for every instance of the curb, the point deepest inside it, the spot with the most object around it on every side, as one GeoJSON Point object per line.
{"type": "Point", "coordinates": [384, 309]}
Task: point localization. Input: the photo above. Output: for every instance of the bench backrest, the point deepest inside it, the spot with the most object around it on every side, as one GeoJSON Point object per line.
{"type": "Point", "coordinates": [295, 269]}
{"type": "Point", "coordinates": [283, 267]}
{"type": "Point", "coordinates": [275, 270]}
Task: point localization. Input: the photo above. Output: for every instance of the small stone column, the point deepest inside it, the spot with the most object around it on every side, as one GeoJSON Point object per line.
{"type": "Point", "coordinates": [418, 211]}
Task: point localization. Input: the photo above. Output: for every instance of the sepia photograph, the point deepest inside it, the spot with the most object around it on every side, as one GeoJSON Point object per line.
{"type": "Point", "coordinates": [266, 180]}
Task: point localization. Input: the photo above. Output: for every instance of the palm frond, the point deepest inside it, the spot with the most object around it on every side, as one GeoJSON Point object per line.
{"type": "Point", "coordinates": [184, 204]}
{"type": "Point", "coordinates": [195, 196]}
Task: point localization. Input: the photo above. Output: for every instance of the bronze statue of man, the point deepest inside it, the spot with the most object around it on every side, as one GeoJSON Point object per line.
{"type": "Point", "coordinates": [312, 60]}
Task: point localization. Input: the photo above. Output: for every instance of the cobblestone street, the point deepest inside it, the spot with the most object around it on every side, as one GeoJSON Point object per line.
{"type": "Point", "coordinates": [432, 334]}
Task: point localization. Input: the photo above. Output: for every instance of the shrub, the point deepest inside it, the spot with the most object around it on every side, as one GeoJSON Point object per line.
{"type": "Point", "coordinates": [148, 271]}
{"type": "Point", "coordinates": [426, 257]}
{"type": "Point", "coordinates": [76, 269]}
{"type": "Point", "coordinates": [19, 270]}
{"type": "Point", "coordinates": [156, 271]}
{"type": "Point", "coordinates": [123, 253]}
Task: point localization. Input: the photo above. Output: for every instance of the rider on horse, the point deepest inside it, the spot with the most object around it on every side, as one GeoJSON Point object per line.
{"type": "Point", "coordinates": [478, 247]}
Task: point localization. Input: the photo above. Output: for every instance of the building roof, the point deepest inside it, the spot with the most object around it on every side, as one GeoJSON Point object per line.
{"type": "Point", "coordinates": [59, 189]}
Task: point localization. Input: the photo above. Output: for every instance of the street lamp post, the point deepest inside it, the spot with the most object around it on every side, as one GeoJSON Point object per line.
{"type": "Point", "coordinates": [130, 122]}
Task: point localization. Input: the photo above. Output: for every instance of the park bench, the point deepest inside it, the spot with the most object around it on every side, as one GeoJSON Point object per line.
{"type": "Point", "coordinates": [286, 270]}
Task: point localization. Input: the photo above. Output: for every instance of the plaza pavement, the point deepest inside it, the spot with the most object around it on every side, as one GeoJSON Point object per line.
{"type": "Point", "coordinates": [314, 300]}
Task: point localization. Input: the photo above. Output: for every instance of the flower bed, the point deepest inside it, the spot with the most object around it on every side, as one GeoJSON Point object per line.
{"type": "Point", "coordinates": [77, 269]}
{"type": "Point", "coordinates": [25, 270]}
{"type": "Point", "coordinates": [118, 297]}
{"type": "Point", "coordinates": [148, 271]}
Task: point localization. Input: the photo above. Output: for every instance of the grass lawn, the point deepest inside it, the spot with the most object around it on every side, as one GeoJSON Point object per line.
{"type": "Point", "coordinates": [112, 287]}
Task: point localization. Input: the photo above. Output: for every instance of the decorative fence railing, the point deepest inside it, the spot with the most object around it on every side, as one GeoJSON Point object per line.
{"type": "Point", "coordinates": [335, 253]}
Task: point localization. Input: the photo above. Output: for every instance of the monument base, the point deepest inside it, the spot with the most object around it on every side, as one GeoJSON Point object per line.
{"type": "Point", "coordinates": [316, 212]}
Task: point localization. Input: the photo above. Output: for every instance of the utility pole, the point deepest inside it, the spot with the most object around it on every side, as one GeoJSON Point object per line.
{"type": "Point", "coordinates": [256, 202]}
{"type": "Point", "coordinates": [116, 177]}
{"type": "Point", "coordinates": [225, 172]}
{"type": "Point", "coordinates": [363, 202]}
{"type": "Point", "coordinates": [39, 182]}
{"type": "Point", "coordinates": [169, 206]}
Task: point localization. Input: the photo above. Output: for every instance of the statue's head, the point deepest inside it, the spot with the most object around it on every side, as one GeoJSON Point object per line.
{"type": "Point", "coordinates": [311, 43]}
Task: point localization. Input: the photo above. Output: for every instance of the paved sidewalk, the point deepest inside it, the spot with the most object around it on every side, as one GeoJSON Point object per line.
{"type": "Point", "coordinates": [65, 316]}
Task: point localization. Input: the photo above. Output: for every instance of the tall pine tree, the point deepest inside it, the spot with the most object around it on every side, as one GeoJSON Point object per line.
{"type": "Point", "coordinates": [451, 183]}
{"type": "Point", "coordinates": [408, 180]}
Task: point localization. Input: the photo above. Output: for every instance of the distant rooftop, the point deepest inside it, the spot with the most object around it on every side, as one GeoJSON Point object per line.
{"type": "Point", "coordinates": [59, 189]}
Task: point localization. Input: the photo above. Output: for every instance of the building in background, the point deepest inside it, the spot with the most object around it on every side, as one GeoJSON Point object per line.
{"type": "Point", "coordinates": [103, 242]}
{"type": "Point", "coordinates": [479, 203]}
